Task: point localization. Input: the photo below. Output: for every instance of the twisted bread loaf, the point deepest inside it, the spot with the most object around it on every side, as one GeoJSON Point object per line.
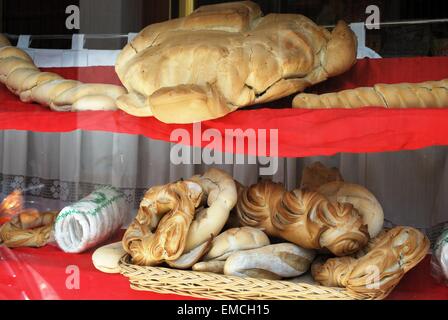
{"type": "Point", "coordinates": [226, 56]}
{"type": "Point", "coordinates": [28, 229]}
{"type": "Point", "coordinates": [381, 268]}
{"type": "Point", "coordinates": [403, 95]}
{"type": "Point", "coordinates": [23, 78]}
{"type": "Point", "coordinates": [159, 231]}
{"type": "Point", "coordinates": [305, 218]}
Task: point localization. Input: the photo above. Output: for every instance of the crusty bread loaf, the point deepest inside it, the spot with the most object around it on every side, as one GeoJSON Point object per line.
{"type": "Point", "coordinates": [276, 261]}
{"type": "Point", "coordinates": [226, 56]}
{"type": "Point", "coordinates": [236, 239]}
{"type": "Point", "coordinates": [403, 95]}
{"type": "Point", "coordinates": [305, 218]}
{"type": "Point", "coordinates": [23, 78]}
{"type": "Point", "coordinates": [381, 268]}
{"type": "Point", "coordinates": [362, 199]}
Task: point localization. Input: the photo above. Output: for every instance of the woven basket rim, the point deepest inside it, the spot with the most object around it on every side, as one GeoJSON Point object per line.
{"type": "Point", "coordinates": [216, 286]}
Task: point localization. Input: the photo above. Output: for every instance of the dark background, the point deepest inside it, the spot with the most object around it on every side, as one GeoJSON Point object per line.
{"type": "Point", "coordinates": [123, 16]}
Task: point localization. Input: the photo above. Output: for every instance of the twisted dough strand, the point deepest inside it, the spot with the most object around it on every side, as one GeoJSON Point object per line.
{"type": "Point", "coordinates": [402, 95]}
{"type": "Point", "coordinates": [24, 79]}
{"type": "Point", "coordinates": [387, 259]}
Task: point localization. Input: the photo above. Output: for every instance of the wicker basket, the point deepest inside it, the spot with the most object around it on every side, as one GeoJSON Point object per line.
{"type": "Point", "coordinates": [217, 286]}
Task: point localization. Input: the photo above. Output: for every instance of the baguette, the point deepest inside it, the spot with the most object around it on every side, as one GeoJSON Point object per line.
{"type": "Point", "coordinates": [276, 261]}
{"type": "Point", "coordinates": [403, 95]}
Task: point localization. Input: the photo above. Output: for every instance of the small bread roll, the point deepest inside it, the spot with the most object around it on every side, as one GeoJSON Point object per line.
{"type": "Point", "coordinates": [276, 261]}
{"type": "Point", "coordinates": [106, 258]}
{"type": "Point", "coordinates": [214, 266]}
{"type": "Point", "coordinates": [236, 239]}
{"type": "Point", "coordinates": [361, 198]}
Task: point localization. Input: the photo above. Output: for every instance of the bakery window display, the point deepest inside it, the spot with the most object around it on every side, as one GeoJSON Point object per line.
{"type": "Point", "coordinates": [283, 245]}
{"type": "Point", "coordinates": [208, 231]}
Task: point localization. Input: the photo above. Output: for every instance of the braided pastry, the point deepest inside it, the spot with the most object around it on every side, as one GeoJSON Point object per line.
{"type": "Point", "coordinates": [159, 231]}
{"type": "Point", "coordinates": [24, 79]}
{"type": "Point", "coordinates": [28, 229]}
{"type": "Point", "coordinates": [305, 218]}
{"type": "Point", "coordinates": [381, 268]}
{"type": "Point", "coordinates": [401, 95]}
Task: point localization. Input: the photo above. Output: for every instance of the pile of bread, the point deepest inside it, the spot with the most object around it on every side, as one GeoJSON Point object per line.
{"type": "Point", "coordinates": [211, 223]}
{"type": "Point", "coordinates": [21, 76]}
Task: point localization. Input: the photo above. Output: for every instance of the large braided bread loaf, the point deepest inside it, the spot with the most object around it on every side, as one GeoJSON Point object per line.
{"type": "Point", "coordinates": [305, 218]}
{"type": "Point", "coordinates": [226, 56]}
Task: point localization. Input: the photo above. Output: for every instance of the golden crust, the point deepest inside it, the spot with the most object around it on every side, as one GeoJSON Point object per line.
{"type": "Point", "coordinates": [388, 258]}
{"type": "Point", "coordinates": [247, 58]}
{"type": "Point", "coordinates": [305, 218]}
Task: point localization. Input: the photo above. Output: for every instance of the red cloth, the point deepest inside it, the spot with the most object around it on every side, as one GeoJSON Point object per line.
{"type": "Point", "coordinates": [48, 265]}
{"type": "Point", "coordinates": [301, 132]}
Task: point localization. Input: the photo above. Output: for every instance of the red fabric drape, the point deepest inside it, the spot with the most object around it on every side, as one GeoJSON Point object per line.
{"type": "Point", "coordinates": [300, 132]}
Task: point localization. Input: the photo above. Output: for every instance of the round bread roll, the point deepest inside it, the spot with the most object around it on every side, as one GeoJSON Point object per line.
{"type": "Point", "coordinates": [106, 258]}
{"type": "Point", "coordinates": [276, 261]}
{"type": "Point", "coordinates": [236, 239]}
{"type": "Point", "coordinates": [361, 198]}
